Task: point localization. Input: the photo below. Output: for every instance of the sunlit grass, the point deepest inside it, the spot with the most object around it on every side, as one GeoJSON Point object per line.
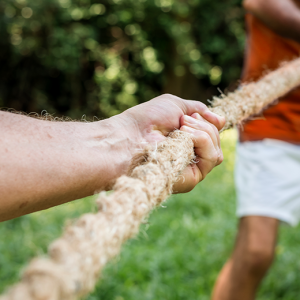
{"type": "Point", "coordinates": [176, 256]}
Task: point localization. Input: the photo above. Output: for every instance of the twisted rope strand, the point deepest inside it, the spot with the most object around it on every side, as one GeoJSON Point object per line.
{"type": "Point", "coordinates": [76, 259]}
{"type": "Point", "coordinates": [250, 99]}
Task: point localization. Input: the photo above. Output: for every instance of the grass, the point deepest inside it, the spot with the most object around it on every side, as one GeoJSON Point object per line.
{"type": "Point", "coordinates": [176, 256]}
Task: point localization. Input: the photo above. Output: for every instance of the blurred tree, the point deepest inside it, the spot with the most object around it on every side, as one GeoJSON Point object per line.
{"type": "Point", "coordinates": [76, 57]}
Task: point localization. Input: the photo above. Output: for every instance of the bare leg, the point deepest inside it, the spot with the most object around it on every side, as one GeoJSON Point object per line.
{"type": "Point", "coordinates": [252, 256]}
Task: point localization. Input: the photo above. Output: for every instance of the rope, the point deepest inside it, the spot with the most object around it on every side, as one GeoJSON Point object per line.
{"type": "Point", "coordinates": [253, 97]}
{"type": "Point", "coordinates": [76, 259]}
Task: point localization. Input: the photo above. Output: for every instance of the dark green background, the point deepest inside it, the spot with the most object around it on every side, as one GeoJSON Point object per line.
{"type": "Point", "coordinates": [76, 57]}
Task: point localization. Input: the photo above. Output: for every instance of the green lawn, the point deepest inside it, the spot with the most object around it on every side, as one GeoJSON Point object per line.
{"type": "Point", "coordinates": [176, 256]}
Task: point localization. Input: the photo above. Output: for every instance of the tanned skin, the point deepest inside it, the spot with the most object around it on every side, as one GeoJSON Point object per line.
{"type": "Point", "coordinates": [255, 243]}
{"type": "Point", "coordinates": [251, 258]}
{"type": "Point", "coordinates": [43, 163]}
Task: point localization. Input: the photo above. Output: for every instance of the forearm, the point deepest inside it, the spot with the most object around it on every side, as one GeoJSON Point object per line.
{"type": "Point", "coordinates": [44, 163]}
{"type": "Point", "coordinates": [282, 16]}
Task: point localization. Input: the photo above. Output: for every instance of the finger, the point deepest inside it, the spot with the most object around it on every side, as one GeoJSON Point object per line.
{"type": "Point", "coordinates": [189, 178]}
{"type": "Point", "coordinates": [203, 126]}
{"type": "Point", "coordinates": [221, 157]}
{"type": "Point", "coordinates": [217, 136]}
{"type": "Point", "coordinates": [198, 117]}
{"type": "Point", "coordinates": [205, 165]}
{"type": "Point", "coordinates": [218, 121]}
{"type": "Point", "coordinates": [208, 128]}
{"type": "Point", "coordinates": [208, 155]}
{"type": "Point", "coordinates": [203, 144]}
{"type": "Point", "coordinates": [191, 107]}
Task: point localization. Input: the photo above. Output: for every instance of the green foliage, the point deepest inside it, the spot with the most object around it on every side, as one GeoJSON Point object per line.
{"type": "Point", "coordinates": [176, 256]}
{"type": "Point", "coordinates": [81, 56]}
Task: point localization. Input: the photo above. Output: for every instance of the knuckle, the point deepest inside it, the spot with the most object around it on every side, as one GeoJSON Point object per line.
{"type": "Point", "coordinates": [215, 129]}
{"type": "Point", "coordinates": [170, 96]}
{"type": "Point", "coordinates": [221, 157]}
{"type": "Point", "coordinates": [204, 137]}
{"type": "Point", "coordinates": [201, 104]}
{"type": "Point", "coordinates": [207, 126]}
{"type": "Point", "coordinates": [205, 107]}
{"type": "Point", "coordinates": [183, 120]}
{"type": "Point", "coordinates": [167, 95]}
{"type": "Point", "coordinates": [215, 157]}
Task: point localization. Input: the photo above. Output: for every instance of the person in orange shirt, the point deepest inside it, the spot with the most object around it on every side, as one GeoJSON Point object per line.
{"type": "Point", "coordinates": [268, 155]}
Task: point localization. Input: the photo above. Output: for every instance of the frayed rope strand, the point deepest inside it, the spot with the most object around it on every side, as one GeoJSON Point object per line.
{"type": "Point", "coordinates": [76, 259]}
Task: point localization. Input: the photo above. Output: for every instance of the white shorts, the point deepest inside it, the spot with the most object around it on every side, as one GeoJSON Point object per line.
{"type": "Point", "coordinates": [267, 177]}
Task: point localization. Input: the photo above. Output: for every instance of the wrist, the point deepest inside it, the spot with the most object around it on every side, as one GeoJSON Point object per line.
{"type": "Point", "coordinates": [115, 140]}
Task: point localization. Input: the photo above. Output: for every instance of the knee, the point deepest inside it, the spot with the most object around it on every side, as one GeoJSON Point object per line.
{"type": "Point", "coordinates": [258, 258]}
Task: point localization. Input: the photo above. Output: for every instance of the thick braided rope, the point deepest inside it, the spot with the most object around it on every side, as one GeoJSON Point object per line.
{"type": "Point", "coordinates": [253, 97]}
{"type": "Point", "coordinates": [77, 258]}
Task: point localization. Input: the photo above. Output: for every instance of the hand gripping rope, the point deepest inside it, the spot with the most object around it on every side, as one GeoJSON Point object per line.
{"type": "Point", "coordinates": [76, 259]}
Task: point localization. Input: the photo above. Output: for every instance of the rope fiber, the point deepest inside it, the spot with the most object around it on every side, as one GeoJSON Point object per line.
{"type": "Point", "coordinates": [75, 260]}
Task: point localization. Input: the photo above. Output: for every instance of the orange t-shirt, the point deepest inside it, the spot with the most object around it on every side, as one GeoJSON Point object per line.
{"type": "Point", "coordinates": [265, 51]}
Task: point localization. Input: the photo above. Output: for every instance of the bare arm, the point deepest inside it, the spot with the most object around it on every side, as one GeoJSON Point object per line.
{"type": "Point", "coordinates": [43, 163]}
{"type": "Point", "coordinates": [282, 16]}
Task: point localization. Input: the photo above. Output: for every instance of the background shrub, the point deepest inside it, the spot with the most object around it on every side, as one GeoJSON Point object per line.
{"type": "Point", "coordinates": [76, 57]}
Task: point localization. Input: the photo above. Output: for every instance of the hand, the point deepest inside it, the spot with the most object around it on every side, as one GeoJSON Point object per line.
{"type": "Point", "coordinates": [207, 149]}
{"type": "Point", "coordinates": [154, 120]}
{"type": "Point", "coordinates": [82, 158]}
